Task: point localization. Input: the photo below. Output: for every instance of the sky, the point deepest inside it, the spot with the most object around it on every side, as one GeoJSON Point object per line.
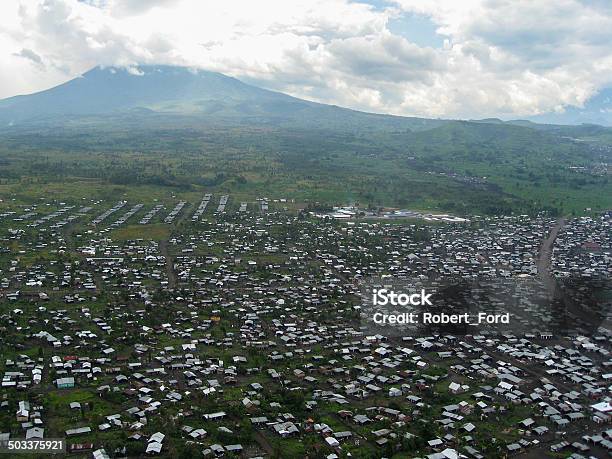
{"type": "Point", "coordinates": [431, 58]}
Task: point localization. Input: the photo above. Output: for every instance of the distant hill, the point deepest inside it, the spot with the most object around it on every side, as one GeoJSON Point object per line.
{"type": "Point", "coordinates": [597, 110]}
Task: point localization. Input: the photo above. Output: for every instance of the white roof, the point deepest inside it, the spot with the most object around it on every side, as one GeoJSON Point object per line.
{"type": "Point", "coordinates": [331, 441]}
{"type": "Point", "coordinates": [154, 447]}
{"type": "Point", "coordinates": [157, 437]}
{"type": "Point", "coordinates": [604, 407]}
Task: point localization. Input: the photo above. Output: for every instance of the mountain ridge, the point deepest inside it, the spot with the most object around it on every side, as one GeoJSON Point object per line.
{"type": "Point", "coordinates": [174, 90]}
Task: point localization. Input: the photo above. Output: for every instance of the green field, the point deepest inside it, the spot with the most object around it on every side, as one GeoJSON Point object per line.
{"type": "Point", "coordinates": [458, 167]}
{"type": "Point", "coordinates": [153, 232]}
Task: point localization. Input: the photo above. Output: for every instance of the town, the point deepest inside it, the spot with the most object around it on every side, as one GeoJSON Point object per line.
{"type": "Point", "coordinates": [233, 326]}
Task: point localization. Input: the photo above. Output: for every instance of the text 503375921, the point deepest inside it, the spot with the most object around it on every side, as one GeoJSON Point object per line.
{"type": "Point", "coordinates": [39, 446]}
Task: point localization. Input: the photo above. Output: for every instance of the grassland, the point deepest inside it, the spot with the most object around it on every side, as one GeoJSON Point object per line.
{"type": "Point", "coordinates": [153, 232]}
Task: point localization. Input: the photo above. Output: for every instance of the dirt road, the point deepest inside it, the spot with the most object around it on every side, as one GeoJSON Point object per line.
{"type": "Point", "coordinates": [544, 257]}
{"type": "Point", "coordinates": [163, 248]}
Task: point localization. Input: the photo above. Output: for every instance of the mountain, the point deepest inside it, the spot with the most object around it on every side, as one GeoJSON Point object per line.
{"type": "Point", "coordinates": [160, 97]}
{"type": "Point", "coordinates": [160, 88]}
{"type": "Point", "coordinates": [151, 93]}
{"type": "Point", "coordinates": [228, 134]}
{"type": "Point", "coordinates": [180, 91]}
{"type": "Point", "coordinates": [597, 110]}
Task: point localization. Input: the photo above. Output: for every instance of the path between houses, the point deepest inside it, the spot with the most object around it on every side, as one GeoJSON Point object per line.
{"type": "Point", "coordinates": [163, 248]}
{"type": "Point", "coordinates": [263, 442]}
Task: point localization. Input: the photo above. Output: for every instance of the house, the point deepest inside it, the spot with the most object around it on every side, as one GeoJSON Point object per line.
{"type": "Point", "coordinates": [23, 413]}
{"type": "Point", "coordinates": [100, 454]}
{"type": "Point", "coordinates": [78, 431]}
{"type": "Point", "coordinates": [65, 383]}
{"type": "Point", "coordinates": [602, 412]}
{"type": "Point", "coordinates": [35, 433]}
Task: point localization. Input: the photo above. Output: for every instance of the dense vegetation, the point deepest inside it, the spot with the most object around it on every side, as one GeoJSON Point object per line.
{"type": "Point", "coordinates": [460, 167]}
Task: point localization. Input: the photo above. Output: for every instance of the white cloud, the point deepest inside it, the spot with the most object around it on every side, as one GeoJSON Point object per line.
{"type": "Point", "coordinates": [522, 56]}
{"type": "Point", "coordinates": [501, 57]}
